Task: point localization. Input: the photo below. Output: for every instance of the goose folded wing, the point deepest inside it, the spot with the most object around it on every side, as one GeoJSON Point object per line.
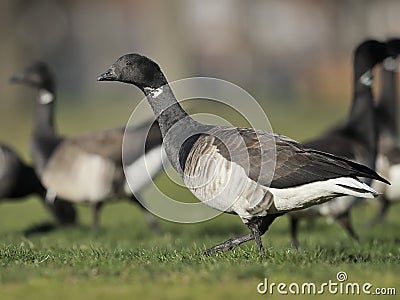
{"type": "Point", "coordinates": [107, 143]}
{"type": "Point", "coordinates": [279, 162]}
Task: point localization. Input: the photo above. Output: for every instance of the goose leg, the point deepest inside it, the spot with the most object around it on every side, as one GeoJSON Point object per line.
{"type": "Point", "coordinates": [96, 216]}
{"type": "Point", "coordinates": [294, 223]}
{"type": "Point", "coordinates": [64, 212]}
{"type": "Point", "coordinates": [255, 230]}
{"type": "Point", "coordinates": [345, 221]}
{"type": "Point", "coordinates": [257, 225]}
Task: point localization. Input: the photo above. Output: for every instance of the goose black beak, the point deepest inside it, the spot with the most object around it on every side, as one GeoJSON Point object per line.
{"type": "Point", "coordinates": [108, 75]}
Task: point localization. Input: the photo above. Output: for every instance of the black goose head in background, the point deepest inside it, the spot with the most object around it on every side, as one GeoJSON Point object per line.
{"type": "Point", "coordinates": [37, 75]}
{"type": "Point", "coordinates": [366, 56]}
{"type": "Point", "coordinates": [393, 46]}
{"type": "Point", "coordinates": [145, 74]}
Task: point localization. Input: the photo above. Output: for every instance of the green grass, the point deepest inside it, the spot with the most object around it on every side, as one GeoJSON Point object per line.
{"type": "Point", "coordinates": [127, 260]}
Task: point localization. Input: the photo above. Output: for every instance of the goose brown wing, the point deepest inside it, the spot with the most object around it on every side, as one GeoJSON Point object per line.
{"type": "Point", "coordinates": [107, 143]}
{"type": "Point", "coordinates": [279, 162]}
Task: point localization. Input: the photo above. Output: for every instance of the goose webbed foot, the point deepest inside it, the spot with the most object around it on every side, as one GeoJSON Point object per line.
{"type": "Point", "coordinates": [257, 225]}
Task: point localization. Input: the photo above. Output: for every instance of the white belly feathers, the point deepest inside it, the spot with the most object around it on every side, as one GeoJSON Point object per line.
{"type": "Point", "coordinates": [224, 185]}
{"type": "Point", "coordinates": [83, 177]}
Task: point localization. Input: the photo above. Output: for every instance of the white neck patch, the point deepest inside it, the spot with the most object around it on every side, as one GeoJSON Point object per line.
{"type": "Point", "coordinates": [389, 64]}
{"type": "Point", "coordinates": [154, 92]}
{"type": "Point", "coordinates": [366, 78]}
{"type": "Point", "coordinates": [45, 97]}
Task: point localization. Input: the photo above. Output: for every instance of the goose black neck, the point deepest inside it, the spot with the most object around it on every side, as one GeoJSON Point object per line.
{"type": "Point", "coordinates": [387, 105]}
{"type": "Point", "coordinates": [361, 122]}
{"type": "Point", "coordinates": [166, 108]}
{"type": "Point", "coordinates": [44, 139]}
{"type": "Point", "coordinates": [176, 125]}
{"type": "Point", "coordinates": [44, 115]}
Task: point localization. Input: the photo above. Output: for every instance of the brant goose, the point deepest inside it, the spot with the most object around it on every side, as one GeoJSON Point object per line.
{"type": "Point", "coordinates": [355, 139]}
{"type": "Point", "coordinates": [87, 168]}
{"type": "Point", "coordinates": [18, 180]}
{"type": "Point", "coordinates": [252, 173]}
{"type": "Point", "coordinates": [388, 159]}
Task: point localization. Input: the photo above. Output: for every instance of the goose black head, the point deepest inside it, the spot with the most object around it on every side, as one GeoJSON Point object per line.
{"type": "Point", "coordinates": [393, 46]}
{"type": "Point", "coordinates": [36, 75]}
{"type": "Point", "coordinates": [135, 69]}
{"type": "Point", "coordinates": [366, 56]}
{"type": "Point", "coordinates": [393, 50]}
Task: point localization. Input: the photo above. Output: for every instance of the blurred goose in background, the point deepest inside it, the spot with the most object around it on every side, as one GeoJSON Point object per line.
{"type": "Point", "coordinates": [88, 168]}
{"type": "Point", "coordinates": [355, 139]}
{"type": "Point", "coordinates": [386, 110]}
{"type": "Point", "coordinates": [18, 180]}
{"type": "Point", "coordinates": [252, 173]}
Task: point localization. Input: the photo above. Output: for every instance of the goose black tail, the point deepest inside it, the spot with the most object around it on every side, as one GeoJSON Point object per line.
{"type": "Point", "coordinates": [357, 169]}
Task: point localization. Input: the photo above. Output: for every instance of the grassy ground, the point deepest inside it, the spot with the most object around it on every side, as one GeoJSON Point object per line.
{"type": "Point", "coordinates": [129, 261]}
